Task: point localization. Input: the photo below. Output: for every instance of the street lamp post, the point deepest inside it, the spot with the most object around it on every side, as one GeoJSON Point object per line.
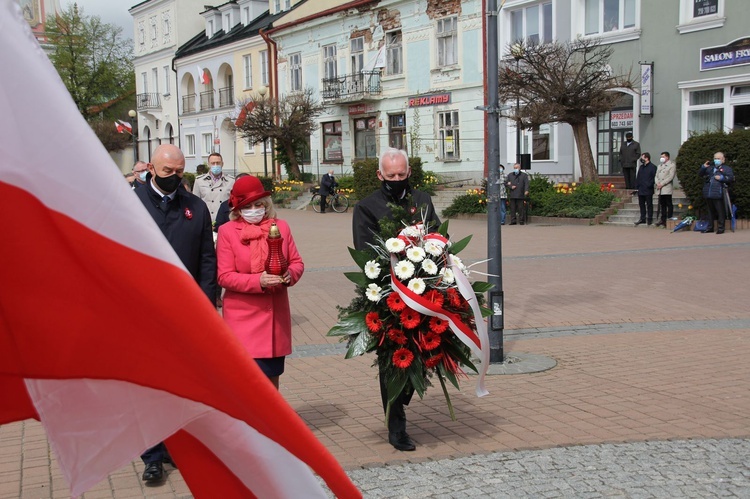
{"type": "Point", "coordinates": [517, 53]}
{"type": "Point", "coordinates": [262, 91]}
{"type": "Point", "coordinates": [132, 113]}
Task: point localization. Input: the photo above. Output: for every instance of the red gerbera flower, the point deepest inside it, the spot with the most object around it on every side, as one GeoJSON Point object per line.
{"type": "Point", "coordinates": [373, 322]}
{"type": "Point", "coordinates": [397, 336]}
{"type": "Point", "coordinates": [454, 297]}
{"type": "Point", "coordinates": [410, 318]}
{"type": "Point", "coordinates": [435, 297]}
{"type": "Point", "coordinates": [402, 358]}
{"type": "Point", "coordinates": [433, 361]}
{"type": "Point", "coordinates": [430, 340]}
{"type": "Point", "coordinates": [395, 302]}
{"type": "Point", "coordinates": [438, 325]}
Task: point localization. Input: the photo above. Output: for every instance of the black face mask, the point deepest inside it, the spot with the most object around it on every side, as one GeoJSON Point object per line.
{"type": "Point", "coordinates": [396, 188]}
{"type": "Point", "coordinates": [168, 184]}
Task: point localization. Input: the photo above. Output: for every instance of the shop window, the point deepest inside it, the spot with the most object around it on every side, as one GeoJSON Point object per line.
{"type": "Point", "coordinates": [539, 142]}
{"type": "Point", "coordinates": [448, 135]}
{"type": "Point", "coordinates": [365, 139]}
{"type": "Point", "coordinates": [332, 146]}
{"type": "Point", "coordinates": [397, 131]}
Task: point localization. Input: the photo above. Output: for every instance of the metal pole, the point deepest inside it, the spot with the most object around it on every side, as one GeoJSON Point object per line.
{"type": "Point", "coordinates": [265, 157]}
{"type": "Point", "coordinates": [518, 120]}
{"type": "Point", "coordinates": [494, 247]}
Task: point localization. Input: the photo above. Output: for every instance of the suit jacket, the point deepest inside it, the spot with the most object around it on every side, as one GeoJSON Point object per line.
{"type": "Point", "coordinates": [327, 185]}
{"type": "Point", "coordinates": [187, 226]}
{"type": "Point", "coordinates": [213, 193]}
{"type": "Point", "coordinates": [260, 317]}
{"type": "Point", "coordinates": [630, 154]}
{"type": "Point", "coordinates": [520, 181]}
{"type": "Point", "coordinates": [644, 179]}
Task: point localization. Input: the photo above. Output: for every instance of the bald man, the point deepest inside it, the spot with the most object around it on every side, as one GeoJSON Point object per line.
{"type": "Point", "coordinates": [186, 223]}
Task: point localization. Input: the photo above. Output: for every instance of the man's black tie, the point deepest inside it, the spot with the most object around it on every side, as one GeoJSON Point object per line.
{"type": "Point", "coordinates": [164, 204]}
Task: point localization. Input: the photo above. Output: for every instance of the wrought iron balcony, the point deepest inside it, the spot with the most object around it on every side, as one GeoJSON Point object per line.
{"type": "Point", "coordinates": [188, 103]}
{"type": "Point", "coordinates": [226, 97]}
{"type": "Point", "coordinates": [148, 101]}
{"type": "Point", "coordinates": [352, 87]}
{"type": "Point", "coordinates": [207, 100]}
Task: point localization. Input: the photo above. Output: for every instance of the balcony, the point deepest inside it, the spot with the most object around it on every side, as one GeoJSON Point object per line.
{"type": "Point", "coordinates": [148, 101]}
{"type": "Point", "coordinates": [226, 97]}
{"type": "Point", "coordinates": [207, 100]}
{"type": "Point", "coordinates": [353, 87]}
{"type": "Point", "coordinates": [188, 103]}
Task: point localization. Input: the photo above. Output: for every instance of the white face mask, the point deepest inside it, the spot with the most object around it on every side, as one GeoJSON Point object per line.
{"type": "Point", "coordinates": [253, 215]}
{"type": "Point", "coordinates": [662, 160]}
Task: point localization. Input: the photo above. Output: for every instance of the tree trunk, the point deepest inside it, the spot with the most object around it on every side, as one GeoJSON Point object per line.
{"type": "Point", "coordinates": [294, 172]}
{"type": "Point", "coordinates": [585, 156]}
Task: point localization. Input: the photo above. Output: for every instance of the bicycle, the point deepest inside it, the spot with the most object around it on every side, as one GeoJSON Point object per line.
{"type": "Point", "coordinates": [337, 202]}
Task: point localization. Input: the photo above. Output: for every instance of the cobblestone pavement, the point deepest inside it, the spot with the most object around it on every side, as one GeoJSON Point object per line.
{"type": "Point", "coordinates": [648, 396]}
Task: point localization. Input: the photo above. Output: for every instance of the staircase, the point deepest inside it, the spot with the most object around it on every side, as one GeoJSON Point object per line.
{"type": "Point", "coordinates": [630, 213]}
{"type": "Point", "coordinates": [444, 197]}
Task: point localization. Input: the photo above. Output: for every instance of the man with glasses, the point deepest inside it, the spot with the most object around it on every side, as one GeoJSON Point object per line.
{"type": "Point", "coordinates": [140, 170]}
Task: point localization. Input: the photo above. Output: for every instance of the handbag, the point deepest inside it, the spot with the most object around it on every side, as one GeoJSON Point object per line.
{"type": "Point", "coordinates": [700, 225]}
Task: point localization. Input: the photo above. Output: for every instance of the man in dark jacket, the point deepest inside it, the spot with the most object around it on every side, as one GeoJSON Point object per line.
{"type": "Point", "coordinates": [517, 187]}
{"type": "Point", "coordinates": [393, 172]}
{"type": "Point", "coordinates": [186, 223]}
{"type": "Point", "coordinates": [327, 188]}
{"type": "Point", "coordinates": [717, 176]}
{"type": "Point", "coordinates": [644, 182]}
{"type": "Point", "coordinates": [630, 153]}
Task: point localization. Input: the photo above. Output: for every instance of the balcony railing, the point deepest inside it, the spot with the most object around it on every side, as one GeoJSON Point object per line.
{"type": "Point", "coordinates": [207, 100]}
{"type": "Point", "coordinates": [352, 87]}
{"type": "Point", "coordinates": [188, 103]}
{"type": "Point", "coordinates": [147, 101]}
{"type": "Point", "coordinates": [226, 97]}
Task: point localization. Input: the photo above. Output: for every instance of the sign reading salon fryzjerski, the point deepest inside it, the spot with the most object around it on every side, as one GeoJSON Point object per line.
{"type": "Point", "coordinates": [736, 53]}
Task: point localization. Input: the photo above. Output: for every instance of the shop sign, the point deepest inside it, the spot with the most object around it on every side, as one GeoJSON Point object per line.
{"type": "Point", "coordinates": [361, 109]}
{"type": "Point", "coordinates": [736, 53]}
{"type": "Point", "coordinates": [647, 89]}
{"type": "Point", "coordinates": [430, 100]}
{"type": "Point", "coordinates": [621, 119]}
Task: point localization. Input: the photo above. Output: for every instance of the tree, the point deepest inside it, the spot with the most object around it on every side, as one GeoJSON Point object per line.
{"type": "Point", "coordinates": [108, 135]}
{"type": "Point", "coordinates": [289, 121]}
{"type": "Point", "coordinates": [561, 83]}
{"type": "Point", "coordinates": [92, 59]}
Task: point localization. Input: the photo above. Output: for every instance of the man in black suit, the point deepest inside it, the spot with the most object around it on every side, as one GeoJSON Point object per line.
{"type": "Point", "coordinates": [186, 223]}
{"type": "Point", "coordinates": [644, 182]}
{"type": "Point", "coordinates": [630, 153]}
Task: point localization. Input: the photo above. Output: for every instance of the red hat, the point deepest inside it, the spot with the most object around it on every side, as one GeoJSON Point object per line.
{"type": "Point", "coordinates": [246, 190]}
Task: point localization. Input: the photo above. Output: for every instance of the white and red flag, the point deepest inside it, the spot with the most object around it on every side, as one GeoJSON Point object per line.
{"type": "Point", "coordinates": [123, 126]}
{"type": "Point", "coordinates": [104, 336]}
{"type": "Point", "coordinates": [203, 76]}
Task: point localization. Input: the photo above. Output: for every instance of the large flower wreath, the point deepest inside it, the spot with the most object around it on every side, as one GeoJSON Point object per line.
{"type": "Point", "coordinates": [416, 308]}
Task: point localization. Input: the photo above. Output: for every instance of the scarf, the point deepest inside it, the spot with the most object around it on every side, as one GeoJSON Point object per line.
{"type": "Point", "coordinates": [254, 237]}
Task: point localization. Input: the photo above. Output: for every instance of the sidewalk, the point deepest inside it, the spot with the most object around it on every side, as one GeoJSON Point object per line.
{"type": "Point", "coordinates": [650, 332]}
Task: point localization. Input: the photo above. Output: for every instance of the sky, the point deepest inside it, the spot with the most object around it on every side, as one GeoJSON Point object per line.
{"type": "Point", "coordinates": [111, 11]}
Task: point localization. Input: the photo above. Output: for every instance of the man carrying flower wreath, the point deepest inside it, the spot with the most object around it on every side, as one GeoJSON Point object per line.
{"type": "Point", "coordinates": [393, 172]}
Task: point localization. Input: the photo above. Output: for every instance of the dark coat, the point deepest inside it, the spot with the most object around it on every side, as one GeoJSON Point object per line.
{"type": "Point", "coordinates": [630, 154]}
{"type": "Point", "coordinates": [187, 226]}
{"type": "Point", "coordinates": [222, 216]}
{"type": "Point", "coordinates": [645, 178]}
{"type": "Point", "coordinates": [368, 212]}
{"type": "Point", "coordinates": [712, 188]}
{"type": "Point", "coordinates": [520, 181]}
{"type": "Point", "coordinates": [327, 185]}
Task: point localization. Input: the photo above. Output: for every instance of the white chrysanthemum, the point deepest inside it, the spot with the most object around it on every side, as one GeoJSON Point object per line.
{"type": "Point", "coordinates": [429, 266]}
{"type": "Point", "coordinates": [415, 254]}
{"type": "Point", "coordinates": [432, 248]}
{"type": "Point", "coordinates": [373, 292]}
{"type": "Point", "coordinates": [404, 269]}
{"type": "Point", "coordinates": [413, 231]}
{"type": "Point", "coordinates": [417, 285]}
{"type": "Point", "coordinates": [372, 269]}
{"type": "Point", "coordinates": [460, 265]}
{"type": "Point", "coordinates": [395, 245]}
{"type": "Point", "coordinates": [447, 275]}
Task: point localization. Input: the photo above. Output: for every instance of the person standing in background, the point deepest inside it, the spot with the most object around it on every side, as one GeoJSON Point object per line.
{"type": "Point", "coordinates": [664, 176]}
{"type": "Point", "coordinates": [630, 153]}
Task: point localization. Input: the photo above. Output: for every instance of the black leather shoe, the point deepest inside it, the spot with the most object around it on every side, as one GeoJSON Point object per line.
{"type": "Point", "coordinates": [401, 441]}
{"type": "Point", "coordinates": [720, 231]}
{"type": "Point", "coordinates": [660, 224]}
{"type": "Point", "coordinates": [154, 472]}
{"type": "Point", "coordinates": [639, 222]}
{"type": "Point", "coordinates": [708, 231]}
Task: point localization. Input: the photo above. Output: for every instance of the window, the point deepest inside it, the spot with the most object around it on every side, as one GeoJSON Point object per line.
{"type": "Point", "coordinates": [264, 67]}
{"type": "Point", "coordinates": [155, 79]}
{"type": "Point", "coordinates": [295, 72]}
{"type": "Point", "coordinates": [365, 139]}
{"type": "Point", "coordinates": [189, 145]}
{"type": "Point", "coordinates": [397, 131]}
{"type": "Point", "coordinates": [448, 135]}
{"type": "Point", "coordinates": [167, 89]}
{"type": "Point", "coordinates": [208, 143]}
{"type": "Point", "coordinates": [227, 22]}
{"type": "Point", "coordinates": [604, 16]}
{"type": "Point", "coordinates": [533, 24]}
{"type": "Point", "coordinates": [329, 61]}
{"type": "Point", "coordinates": [357, 50]}
{"type": "Point", "coordinates": [332, 146]}
{"type": "Point", "coordinates": [246, 15]}
{"type": "Point", "coordinates": [249, 147]}
{"type": "Point", "coordinates": [247, 64]}
{"type": "Point", "coordinates": [539, 142]}
{"type": "Point", "coordinates": [210, 28]}
{"type": "Point", "coordinates": [705, 111]}
{"type": "Point", "coordinates": [277, 6]}
{"type": "Point", "coordinates": [447, 41]}
{"type": "Point", "coordinates": [394, 53]}
{"type": "Point", "coordinates": [144, 82]}
{"type": "Point", "coordinates": [698, 15]}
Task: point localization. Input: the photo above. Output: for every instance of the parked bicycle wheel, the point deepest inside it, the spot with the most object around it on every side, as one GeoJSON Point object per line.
{"type": "Point", "coordinates": [316, 202]}
{"type": "Point", "coordinates": [340, 203]}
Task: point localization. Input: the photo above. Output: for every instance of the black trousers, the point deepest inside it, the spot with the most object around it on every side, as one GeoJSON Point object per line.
{"type": "Point", "coordinates": [717, 211]}
{"type": "Point", "coordinates": [646, 203]}
{"type": "Point", "coordinates": [518, 206]}
{"type": "Point", "coordinates": [397, 416]}
{"type": "Point", "coordinates": [156, 454]}
{"type": "Point", "coordinates": [665, 206]}
{"type": "Point", "coordinates": [629, 174]}
{"type": "Point", "coordinates": [323, 198]}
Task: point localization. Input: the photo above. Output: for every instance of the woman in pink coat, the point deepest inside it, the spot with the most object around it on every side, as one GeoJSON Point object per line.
{"type": "Point", "coordinates": [256, 304]}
